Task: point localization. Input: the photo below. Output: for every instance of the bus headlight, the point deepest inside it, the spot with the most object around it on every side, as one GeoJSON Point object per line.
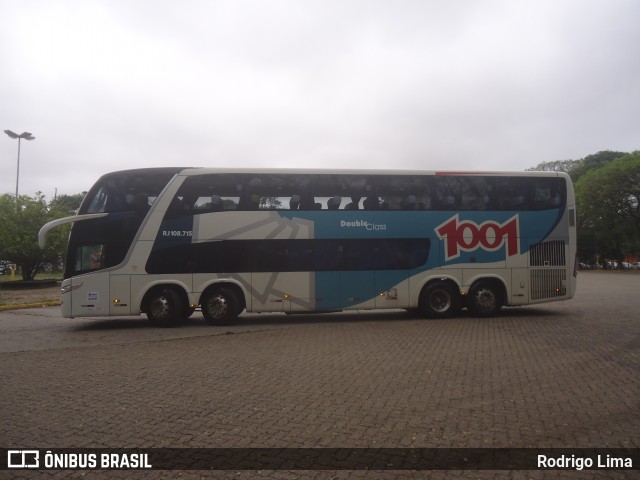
{"type": "Point", "coordinates": [68, 288]}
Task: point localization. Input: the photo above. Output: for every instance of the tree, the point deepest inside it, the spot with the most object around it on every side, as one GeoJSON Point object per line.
{"type": "Point", "coordinates": [556, 166]}
{"type": "Point", "coordinates": [594, 161]}
{"type": "Point", "coordinates": [608, 206]}
{"type": "Point", "coordinates": [68, 203]}
{"type": "Point", "coordinates": [19, 232]}
{"type": "Point", "coordinates": [577, 168]}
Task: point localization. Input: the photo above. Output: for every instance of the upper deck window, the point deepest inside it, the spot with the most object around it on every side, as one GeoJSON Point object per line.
{"type": "Point", "coordinates": [277, 191]}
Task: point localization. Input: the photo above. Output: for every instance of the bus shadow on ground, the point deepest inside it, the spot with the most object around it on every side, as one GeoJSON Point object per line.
{"type": "Point", "coordinates": [248, 320]}
{"type": "Point", "coordinates": [280, 319]}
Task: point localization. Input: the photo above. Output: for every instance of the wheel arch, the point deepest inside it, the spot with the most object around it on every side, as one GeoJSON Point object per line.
{"type": "Point", "coordinates": [496, 280]}
{"type": "Point", "coordinates": [225, 283]}
{"type": "Point", "coordinates": [154, 287]}
{"type": "Point", "coordinates": [486, 296]}
{"type": "Point", "coordinates": [425, 283]}
{"type": "Point", "coordinates": [439, 298]}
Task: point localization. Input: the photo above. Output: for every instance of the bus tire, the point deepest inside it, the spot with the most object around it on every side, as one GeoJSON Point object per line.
{"type": "Point", "coordinates": [485, 298]}
{"type": "Point", "coordinates": [165, 307]}
{"type": "Point", "coordinates": [438, 300]}
{"type": "Point", "coordinates": [220, 306]}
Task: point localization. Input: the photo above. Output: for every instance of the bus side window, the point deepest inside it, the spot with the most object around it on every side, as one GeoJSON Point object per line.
{"type": "Point", "coordinates": [475, 193]}
{"type": "Point", "coordinates": [546, 195]}
{"type": "Point", "coordinates": [270, 203]}
{"type": "Point", "coordinates": [371, 203]}
{"type": "Point", "coordinates": [177, 207]}
{"type": "Point", "coordinates": [89, 257]}
{"type": "Point", "coordinates": [511, 199]}
{"type": "Point", "coordinates": [206, 204]}
{"type": "Point", "coordinates": [230, 203]}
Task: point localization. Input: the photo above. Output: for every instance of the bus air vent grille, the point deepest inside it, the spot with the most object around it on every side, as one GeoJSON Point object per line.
{"type": "Point", "coordinates": [548, 283]}
{"type": "Point", "coordinates": [547, 254]}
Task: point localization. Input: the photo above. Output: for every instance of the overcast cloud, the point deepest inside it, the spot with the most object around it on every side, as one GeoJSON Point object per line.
{"type": "Point", "coordinates": [449, 84]}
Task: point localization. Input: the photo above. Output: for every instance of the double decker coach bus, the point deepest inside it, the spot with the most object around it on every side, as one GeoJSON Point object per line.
{"type": "Point", "coordinates": [165, 241]}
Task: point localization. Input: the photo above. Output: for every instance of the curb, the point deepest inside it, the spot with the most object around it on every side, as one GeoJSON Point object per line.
{"type": "Point", "coordinates": [21, 306]}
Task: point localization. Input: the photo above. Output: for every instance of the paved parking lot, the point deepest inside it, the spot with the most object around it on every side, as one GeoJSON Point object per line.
{"type": "Point", "coordinates": [558, 375]}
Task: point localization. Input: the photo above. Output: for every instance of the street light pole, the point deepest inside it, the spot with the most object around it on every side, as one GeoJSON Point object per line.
{"type": "Point", "coordinates": [26, 136]}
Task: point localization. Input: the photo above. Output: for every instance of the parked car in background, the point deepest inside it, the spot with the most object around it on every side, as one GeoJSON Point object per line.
{"type": "Point", "coordinates": [4, 267]}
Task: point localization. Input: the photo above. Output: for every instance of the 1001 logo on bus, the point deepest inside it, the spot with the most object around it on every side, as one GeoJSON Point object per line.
{"type": "Point", "coordinates": [468, 236]}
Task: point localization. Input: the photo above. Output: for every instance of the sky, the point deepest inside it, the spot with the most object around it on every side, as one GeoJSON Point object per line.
{"type": "Point", "coordinates": [396, 84]}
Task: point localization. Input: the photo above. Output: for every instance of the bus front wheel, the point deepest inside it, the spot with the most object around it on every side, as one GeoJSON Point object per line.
{"type": "Point", "coordinates": [485, 299]}
{"type": "Point", "coordinates": [438, 300]}
{"type": "Point", "coordinates": [165, 307]}
{"type": "Point", "coordinates": [220, 306]}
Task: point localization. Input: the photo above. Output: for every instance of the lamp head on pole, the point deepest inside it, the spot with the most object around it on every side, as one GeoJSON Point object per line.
{"type": "Point", "coordinates": [23, 135]}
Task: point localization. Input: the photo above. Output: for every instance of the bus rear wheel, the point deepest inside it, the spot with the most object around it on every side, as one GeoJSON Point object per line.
{"type": "Point", "coordinates": [485, 299]}
{"type": "Point", "coordinates": [438, 300]}
{"type": "Point", "coordinates": [165, 307]}
{"type": "Point", "coordinates": [220, 306]}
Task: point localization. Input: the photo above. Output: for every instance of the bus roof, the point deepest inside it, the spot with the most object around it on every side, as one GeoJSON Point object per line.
{"type": "Point", "coordinates": [316, 171]}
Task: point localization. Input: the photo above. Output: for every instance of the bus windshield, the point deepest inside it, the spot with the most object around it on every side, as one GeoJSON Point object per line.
{"type": "Point", "coordinates": [126, 197]}
{"type": "Point", "coordinates": [126, 191]}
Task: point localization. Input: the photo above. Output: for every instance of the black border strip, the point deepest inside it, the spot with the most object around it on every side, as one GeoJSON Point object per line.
{"type": "Point", "coordinates": [325, 458]}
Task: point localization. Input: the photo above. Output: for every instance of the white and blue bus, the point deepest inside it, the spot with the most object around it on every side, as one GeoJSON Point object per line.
{"type": "Point", "coordinates": [167, 241]}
